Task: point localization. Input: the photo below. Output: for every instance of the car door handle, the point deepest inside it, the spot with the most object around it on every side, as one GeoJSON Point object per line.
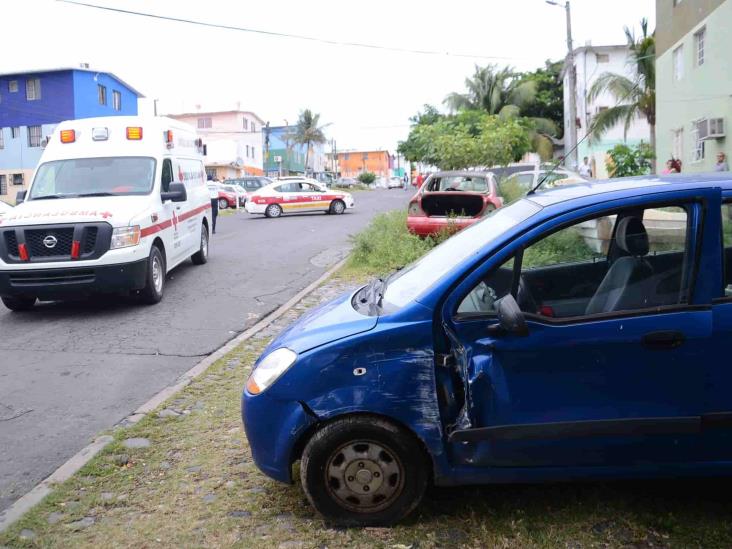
{"type": "Point", "coordinates": [665, 339]}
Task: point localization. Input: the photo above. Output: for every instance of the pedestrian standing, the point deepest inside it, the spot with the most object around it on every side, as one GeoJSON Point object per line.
{"type": "Point", "coordinates": [213, 193]}
{"type": "Point", "coordinates": [419, 181]}
{"type": "Point", "coordinates": [721, 165]}
{"type": "Point", "coordinates": [585, 170]}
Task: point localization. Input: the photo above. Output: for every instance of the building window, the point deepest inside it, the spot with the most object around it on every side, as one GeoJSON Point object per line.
{"type": "Point", "coordinates": [116, 100]}
{"type": "Point", "coordinates": [678, 61]}
{"type": "Point", "coordinates": [102, 94]}
{"type": "Point", "coordinates": [3, 184]}
{"type": "Point", "coordinates": [13, 86]}
{"type": "Point", "coordinates": [32, 89]}
{"type": "Point", "coordinates": [602, 57]}
{"type": "Point", "coordinates": [14, 132]}
{"type": "Point", "coordinates": [254, 128]}
{"type": "Point", "coordinates": [677, 2]}
{"type": "Point", "coordinates": [210, 173]}
{"type": "Point", "coordinates": [247, 151]}
{"type": "Point", "coordinates": [699, 37]}
{"type": "Point", "coordinates": [253, 152]}
{"type": "Point", "coordinates": [678, 143]}
{"type": "Point", "coordinates": [245, 122]}
{"type": "Point", "coordinates": [17, 179]}
{"type": "Point", "coordinates": [601, 109]}
{"type": "Point", "coordinates": [2, 140]}
{"type": "Point", "coordinates": [698, 133]}
{"type": "Point", "coordinates": [34, 136]}
{"type": "Point", "coordinates": [204, 123]}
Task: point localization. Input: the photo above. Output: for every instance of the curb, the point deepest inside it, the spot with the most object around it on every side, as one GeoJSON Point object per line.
{"type": "Point", "coordinates": [13, 513]}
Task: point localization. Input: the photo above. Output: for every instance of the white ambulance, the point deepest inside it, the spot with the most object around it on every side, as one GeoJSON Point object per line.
{"type": "Point", "coordinates": [115, 204]}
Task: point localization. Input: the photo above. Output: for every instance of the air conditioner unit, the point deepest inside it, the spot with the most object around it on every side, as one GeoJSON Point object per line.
{"type": "Point", "coordinates": [716, 128]}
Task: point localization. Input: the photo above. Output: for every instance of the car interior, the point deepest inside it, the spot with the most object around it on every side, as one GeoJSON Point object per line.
{"type": "Point", "coordinates": [631, 260]}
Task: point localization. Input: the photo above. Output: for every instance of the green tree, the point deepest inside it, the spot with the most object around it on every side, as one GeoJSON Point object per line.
{"type": "Point", "coordinates": [549, 99]}
{"type": "Point", "coordinates": [627, 161]}
{"type": "Point", "coordinates": [308, 132]}
{"type": "Point", "coordinates": [637, 95]}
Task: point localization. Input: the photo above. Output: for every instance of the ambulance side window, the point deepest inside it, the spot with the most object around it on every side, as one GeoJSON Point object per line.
{"type": "Point", "coordinates": [167, 176]}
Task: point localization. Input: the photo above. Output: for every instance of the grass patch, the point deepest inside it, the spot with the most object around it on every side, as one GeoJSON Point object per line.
{"type": "Point", "coordinates": [386, 245]}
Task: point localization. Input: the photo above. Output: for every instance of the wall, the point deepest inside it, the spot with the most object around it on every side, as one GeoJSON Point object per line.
{"type": "Point", "coordinates": [588, 69]}
{"type": "Point", "coordinates": [674, 22]}
{"type": "Point", "coordinates": [56, 102]}
{"type": "Point", "coordinates": [86, 96]}
{"type": "Point", "coordinates": [352, 163]}
{"type": "Point", "coordinates": [703, 92]}
{"type": "Point", "coordinates": [229, 141]}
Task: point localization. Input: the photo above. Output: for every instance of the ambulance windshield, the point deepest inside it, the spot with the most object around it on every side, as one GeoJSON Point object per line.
{"type": "Point", "coordinates": [78, 177]}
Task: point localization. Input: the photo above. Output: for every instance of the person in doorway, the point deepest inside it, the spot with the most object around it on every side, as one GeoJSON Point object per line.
{"type": "Point", "coordinates": [585, 170]}
{"type": "Point", "coordinates": [213, 193]}
{"type": "Point", "coordinates": [721, 165]}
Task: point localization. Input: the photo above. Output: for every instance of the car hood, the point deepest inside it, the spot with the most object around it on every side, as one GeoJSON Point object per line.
{"type": "Point", "coordinates": [329, 322]}
{"type": "Point", "coordinates": [115, 210]}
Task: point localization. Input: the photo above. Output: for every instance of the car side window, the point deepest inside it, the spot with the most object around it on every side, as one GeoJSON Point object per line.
{"type": "Point", "coordinates": [621, 261]}
{"type": "Point", "coordinates": [482, 299]}
{"type": "Point", "coordinates": [167, 176]}
{"type": "Point", "coordinates": [727, 247]}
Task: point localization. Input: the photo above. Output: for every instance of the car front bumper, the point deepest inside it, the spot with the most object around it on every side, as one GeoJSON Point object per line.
{"type": "Point", "coordinates": [273, 427]}
{"type": "Point", "coordinates": [425, 226]}
{"type": "Point", "coordinates": [70, 282]}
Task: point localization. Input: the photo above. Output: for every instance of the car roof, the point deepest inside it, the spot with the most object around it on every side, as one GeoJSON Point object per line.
{"type": "Point", "coordinates": [463, 173]}
{"type": "Point", "coordinates": [630, 186]}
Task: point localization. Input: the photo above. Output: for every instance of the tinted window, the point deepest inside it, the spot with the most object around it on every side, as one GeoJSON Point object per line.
{"type": "Point", "coordinates": [727, 243]}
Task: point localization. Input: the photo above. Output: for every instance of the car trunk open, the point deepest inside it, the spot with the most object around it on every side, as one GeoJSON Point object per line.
{"type": "Point", "coordinates": [452, 203]}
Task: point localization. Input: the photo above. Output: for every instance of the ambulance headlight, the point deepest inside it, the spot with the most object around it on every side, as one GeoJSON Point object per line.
{"type": "Point", "coordinates": [123, 237]}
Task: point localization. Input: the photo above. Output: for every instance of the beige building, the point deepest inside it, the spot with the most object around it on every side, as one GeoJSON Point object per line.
{"type": "Point", "coordinates": [233, 141]}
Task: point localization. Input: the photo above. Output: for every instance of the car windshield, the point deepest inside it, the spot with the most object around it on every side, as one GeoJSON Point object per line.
{"type": "Point", "coordinates": [412, 281]}
{"type": "Point", "coordinates": [458, 183]}
{"type": "Point", "coordinates": [94, 177]}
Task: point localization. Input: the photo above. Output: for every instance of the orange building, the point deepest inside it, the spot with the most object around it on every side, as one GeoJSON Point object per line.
{"type": "Point", "coordinates": [353, 163]}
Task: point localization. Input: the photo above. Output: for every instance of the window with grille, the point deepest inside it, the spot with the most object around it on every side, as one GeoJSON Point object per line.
{"type": "Point", "coordinates": [34, 136]}
{"type": "Point", "coordinates": [102, 94]}
{"type": "Point", "coordinates": [698, 133]}
{"type": "Point", "coordinates": [204, 122]}
{"type": "Point", "coordinates": [699, 38]}
{"type": "Point", "coordinates": [2, 140]}
{"type": "Point", "coordinates": [32, 89]}
{"type": "Point", "coordinates": [3, 184]}
{"type": "Point", "coordinates": [116, 100]}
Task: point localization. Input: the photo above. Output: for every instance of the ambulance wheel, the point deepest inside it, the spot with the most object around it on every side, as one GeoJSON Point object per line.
{"type": "Point", "coordinates": [364, 471]}
{"type": "Point", "coordinates": [201, 256]}
{"type": "Point", "coordinates": [153, 291]}
{"type": "Point", "coordinates": [273, 210]}
{"type": "Point", "coordinates": [19, 303]}
{"type": "Point", "coordinates": [223, 204]}
{"type": "Point", "coordinates": [337, 207]}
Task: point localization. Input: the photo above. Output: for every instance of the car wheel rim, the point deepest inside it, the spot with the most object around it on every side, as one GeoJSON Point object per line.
{"type": "Point", "coordinates": [338, 208]}
{"type": "Point", "coordinates": [364, 476]}
{"type": "Point", "coordinates": [274, 211]}
{"type": "Point", "coordinates": [157, 274]}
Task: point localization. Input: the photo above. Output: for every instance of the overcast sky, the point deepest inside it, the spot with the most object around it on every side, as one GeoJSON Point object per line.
{"type": "Point", "coordinates": [367, 95]}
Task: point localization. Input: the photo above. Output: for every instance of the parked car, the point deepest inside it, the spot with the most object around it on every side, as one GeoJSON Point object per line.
{"type": "Point", "coordinates": [514, 352]}
{"type": "Point", "coordinates": [452, 200]}
{"type": "Point", "coordinates": [239, 194]}
{"type": "Point", "coordinates": [249, 184]}
{"type": "Point", "coordinates": [530, 179]}
{"type": "Point", "coordinates": [346, 182]}
{"type": "Point", "coordinates": [227, 198]}
{"type": "Point", "coordinates": [298, 195]}
{"type": "Point", "coordinates": [395, 183]}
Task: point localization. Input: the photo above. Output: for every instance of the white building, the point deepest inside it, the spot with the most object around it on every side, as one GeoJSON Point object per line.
{"type": "Point", "coordinates": [591, 62]}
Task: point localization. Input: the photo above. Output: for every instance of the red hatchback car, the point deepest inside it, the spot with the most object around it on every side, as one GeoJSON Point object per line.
{"type": "Point", "coordinates": [452, 200]}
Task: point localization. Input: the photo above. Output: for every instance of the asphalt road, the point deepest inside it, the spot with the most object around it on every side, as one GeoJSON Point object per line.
{"type": "Point", "coordinates": [69, 370]}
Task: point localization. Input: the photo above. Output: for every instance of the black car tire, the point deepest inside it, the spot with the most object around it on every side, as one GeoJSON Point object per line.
{"type": "Point", "coordinates": [201, 256]}
{"type": "Point", "coordinates": [154, 288]}
{"type": "Point", "coordinates": [19, 303]}
{"type": "Point", "coordinates": [273, 210]}
{"type": "Point", "coordinates": [394, 481]}
{"type": "Point", "coordinates": [223, 203]}
{"type": "Point", "coordinates": [337, 207]}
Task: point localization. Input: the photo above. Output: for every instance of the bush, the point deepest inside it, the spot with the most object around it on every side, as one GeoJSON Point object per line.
{"type": "Point", "coordinates": [367, 178]}
{"type": "Point", "coordinates": [627, 161]}
{"type": "Point", "coordinates": [386, 245]}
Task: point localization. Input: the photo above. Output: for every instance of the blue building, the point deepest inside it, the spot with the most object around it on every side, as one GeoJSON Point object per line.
{"type": "Point", "coordinates": [285, 157]}
{"type": "Point", "coordinates": [32, 103]}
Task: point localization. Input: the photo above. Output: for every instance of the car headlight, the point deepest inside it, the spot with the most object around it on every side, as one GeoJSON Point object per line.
{"type": "Point", "coordinates": [270, 369]}
{"type": "Point", "coordinates": [123, 237]}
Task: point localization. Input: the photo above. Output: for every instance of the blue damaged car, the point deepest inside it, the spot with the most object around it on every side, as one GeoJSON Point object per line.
{"type": "Point", "coordinates": [578, 333]}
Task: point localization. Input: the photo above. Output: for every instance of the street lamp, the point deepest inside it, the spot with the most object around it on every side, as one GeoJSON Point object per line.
{"type": "Point", "coordinates": [569, 67]}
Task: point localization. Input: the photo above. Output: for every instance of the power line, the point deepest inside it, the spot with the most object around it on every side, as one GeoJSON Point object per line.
{"type": "Point", "coordinates": [285, 35]}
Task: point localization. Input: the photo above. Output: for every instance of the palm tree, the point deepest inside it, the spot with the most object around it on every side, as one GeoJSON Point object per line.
{"type": "Point", "coordinates": [636, 96]}
{"type": "Point", "coordinates": [307, 132]}
{"type": "Point", "coordinates": [499, 91]}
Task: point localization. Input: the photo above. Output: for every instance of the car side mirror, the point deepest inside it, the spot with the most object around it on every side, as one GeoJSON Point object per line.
{"type": "Point", "coordinates": [511, 319]}
{"type": "Point", "coordinates": [20, 197]}
{"type": "Point", "coordinates": [176, 192]}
